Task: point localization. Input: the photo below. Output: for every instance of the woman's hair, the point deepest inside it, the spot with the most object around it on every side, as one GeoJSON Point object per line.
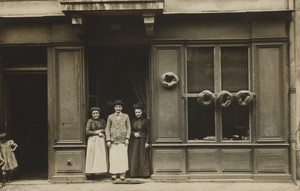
{"type": "Point", "coordinates": [138, 106]}
{"type": "Point", "coordinates": [95, 108]}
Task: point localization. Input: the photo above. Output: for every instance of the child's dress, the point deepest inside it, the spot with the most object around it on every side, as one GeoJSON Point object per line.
{"type": "Point", "coordinates": [8, 155]}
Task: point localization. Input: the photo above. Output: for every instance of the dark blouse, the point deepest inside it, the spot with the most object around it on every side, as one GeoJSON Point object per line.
{"type": "Point", "coordinates": [140, 125]}
{"type": "Point", "coordinates": [93, 125]}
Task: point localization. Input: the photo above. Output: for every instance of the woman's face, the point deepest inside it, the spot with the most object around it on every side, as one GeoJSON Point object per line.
{"type": "Point", "coordinates": [95, 114]}
{"type": "Point", "coordinates": [118, 108]}
{"type": "Point", "coordinates": [138, 113]}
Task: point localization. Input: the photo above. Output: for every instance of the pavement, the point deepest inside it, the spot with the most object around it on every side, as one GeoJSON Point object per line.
{"type": "Point", "coordinates": [148, 185]}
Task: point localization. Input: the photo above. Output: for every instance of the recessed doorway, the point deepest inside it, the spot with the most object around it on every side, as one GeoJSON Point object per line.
{"type": "Point", "coordinates": [26, 108]}
{"type": "Point", "coordinates": [118, 72]}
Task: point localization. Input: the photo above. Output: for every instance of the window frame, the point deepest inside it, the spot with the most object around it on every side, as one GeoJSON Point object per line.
{"type": "Point", "coordinates": [217, 88]}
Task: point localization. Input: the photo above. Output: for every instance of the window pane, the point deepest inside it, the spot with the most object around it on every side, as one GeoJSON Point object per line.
{"type": "Point", "coordinates": [200, 69]}
{"type": "Point", "coordinates": [234, 62]}
{"type": "Point", "coordinates": [201, 121]}
{"type": "Point", "coordinates": [235, 122]}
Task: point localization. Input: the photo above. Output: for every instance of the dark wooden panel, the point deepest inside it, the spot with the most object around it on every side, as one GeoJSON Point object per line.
{"type": "Point", "coordinates": [70, 94]}
{"type": "Point", "coordinates": [65, 32]}
{"type": "Point", "coordinates": [271, 27]}
{"type": "Point", "coordinates": [39, 32]}
{"type": "Point", "coordinates": [271, 160]}
{"type": "Point", "coordinates": [269, 63]}
{"type": "Point", "coordinates": [69, 161]}
{"type": "Point", "coordinates": [203, 160]}
{"type": "Point", "coordinates": [236, 160]}
{"type": "Point", "coordinates": [107, 30]}
{"type": "Point", "coordinates": [188, 27]}
{"type": "Point", "coordinates": [167, 102]}
{"type": "Point", "coordinates": [169, 161]}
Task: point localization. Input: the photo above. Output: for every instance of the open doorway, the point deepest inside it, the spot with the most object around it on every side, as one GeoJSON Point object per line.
{"type": "Point", "coordinates": [26, 108]}
{"type": "Point", "coordinates": [27, 123]}
{"type": "Point", "coordinates": [118, 72]}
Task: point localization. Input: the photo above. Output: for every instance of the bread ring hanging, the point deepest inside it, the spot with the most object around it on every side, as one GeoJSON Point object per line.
{"type": "Point", "coordinates": [224, 98]}
{"type": "Point", "coordinates": [206, 98]}
{"type": "Point", "coordinates": [244, 97]}
{"type": "Point", "coordinates": [169, 79]}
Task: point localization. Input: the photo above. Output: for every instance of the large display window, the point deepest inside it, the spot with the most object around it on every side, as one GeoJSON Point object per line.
{"type": "Point", "coordinates": [218, 93]}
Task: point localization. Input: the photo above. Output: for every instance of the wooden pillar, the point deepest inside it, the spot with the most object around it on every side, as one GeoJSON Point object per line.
{"type": "Point", "coordinates": [296, 52]}
{"type": "Point", "coordinates": [2, 124]}
{"type": "Point", "coordinates": [67, 113]}
{"type": "Point", "coordinates": [292, 94]}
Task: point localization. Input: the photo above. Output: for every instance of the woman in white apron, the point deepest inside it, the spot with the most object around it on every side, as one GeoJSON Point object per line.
{"type": "Point", "coordinates": [96, 156]}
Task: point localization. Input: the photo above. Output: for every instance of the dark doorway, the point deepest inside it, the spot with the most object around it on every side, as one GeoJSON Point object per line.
{"type": "Point", "coordinates": [27, 122]}
{"type": "Point", "coordinates": [118, 72]}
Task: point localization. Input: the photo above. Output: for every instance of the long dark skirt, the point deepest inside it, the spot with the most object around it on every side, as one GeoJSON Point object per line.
{"type": "Point", "coordinates": [139, 165]}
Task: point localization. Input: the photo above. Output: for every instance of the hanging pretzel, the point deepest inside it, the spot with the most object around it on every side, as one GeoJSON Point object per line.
{"type": "Point", "coordinates": [224, 98]}
{"type": "Point", "coordinates": [169, 80]}
{"type": "Point", "coordinates": [244, 97]}
{"type": "Point", "coordinates": [206, 97]}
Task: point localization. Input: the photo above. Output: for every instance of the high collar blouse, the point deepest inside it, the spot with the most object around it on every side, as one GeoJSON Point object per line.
{"type": "Point", "coordinates": [93, 125]}
{"type": "Point", "coordinates": [140, 125]}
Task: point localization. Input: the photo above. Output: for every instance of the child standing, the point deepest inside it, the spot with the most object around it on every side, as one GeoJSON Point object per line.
{"type": "Point", "coordinates": [139, 165]}
{"type": "Point", "coordinates": [117, 135]}
{"type": "Point", "coordinates": [8, 147]}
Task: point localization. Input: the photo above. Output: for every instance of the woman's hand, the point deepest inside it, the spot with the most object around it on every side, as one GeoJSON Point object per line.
{"type": "Point", "coordinates": [137, 135]}
{"type": "Point", "coordinates": [101, 135]}
{"type": "Point", "coordinates": [147, 145]}
{"type": "Point", "coordinates": [108, 144]}
{"type": "Point", "coordinates": [126, 142]}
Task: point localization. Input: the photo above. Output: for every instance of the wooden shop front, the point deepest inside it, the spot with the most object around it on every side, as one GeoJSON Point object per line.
{"type": "Point", "coordinates": [197, 133]}
{"type": "Point", "coordinates": [215, 85]}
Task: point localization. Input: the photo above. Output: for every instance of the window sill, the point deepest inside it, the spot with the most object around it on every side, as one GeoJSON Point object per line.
{"type": "Point", "coordinates": [209, 144]}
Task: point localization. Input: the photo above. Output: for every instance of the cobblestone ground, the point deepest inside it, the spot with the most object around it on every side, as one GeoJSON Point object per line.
{"type": "Point", "coordinates": [149, 186]}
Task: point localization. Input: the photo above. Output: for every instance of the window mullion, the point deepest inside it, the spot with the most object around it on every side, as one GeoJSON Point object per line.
{"type": "Point", "coordinates": [217, 89]}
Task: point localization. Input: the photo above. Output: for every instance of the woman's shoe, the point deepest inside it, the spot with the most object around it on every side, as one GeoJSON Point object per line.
{"type": "Point", "coordinates": [113, 177]}
{"type": "Point", "coordinates": [122, 177]}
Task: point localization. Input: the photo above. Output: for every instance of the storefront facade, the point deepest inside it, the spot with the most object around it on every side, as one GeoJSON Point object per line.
{"type": "Point", "coordinates": [219, 81]}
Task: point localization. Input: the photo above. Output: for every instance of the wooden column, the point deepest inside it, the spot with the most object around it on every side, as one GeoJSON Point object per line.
{"type": "Point", "coordinates": [296, 42]}
{"type": "Point", "coordinates": [292, 96]}
{"type": "Point", "coordinates": [67, 103]}
{"type": "Point", "coordinates": [2, 123]}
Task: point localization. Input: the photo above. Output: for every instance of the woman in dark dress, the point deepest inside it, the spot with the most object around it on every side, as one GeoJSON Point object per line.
{"type": "Point", "coordinates": [139, 165]}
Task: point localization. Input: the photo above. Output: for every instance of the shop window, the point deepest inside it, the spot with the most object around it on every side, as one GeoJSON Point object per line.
{"type": "Point", "coordinates": [212, 74]}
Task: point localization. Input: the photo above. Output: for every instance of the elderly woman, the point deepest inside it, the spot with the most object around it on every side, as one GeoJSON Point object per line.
{"type": "Point", "coordinates": [139, 165]}
{"type": "Point", "coordinates": [117, 134]}
{"type": "Point", "coordinates": [96, 156]}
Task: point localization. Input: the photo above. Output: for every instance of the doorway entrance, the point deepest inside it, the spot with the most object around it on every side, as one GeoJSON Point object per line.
{"type": "Point", "coordinates": [27, 123]}
{"type": "Point", "coordinates": [118, 72]}
{"type": "Point", "coordinates": [26, 108]}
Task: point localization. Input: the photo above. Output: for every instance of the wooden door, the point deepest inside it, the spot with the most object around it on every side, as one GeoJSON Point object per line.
{"type": "Point", "coordinates": [67, 113]}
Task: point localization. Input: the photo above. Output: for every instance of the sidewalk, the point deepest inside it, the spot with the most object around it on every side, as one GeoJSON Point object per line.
{"type": "Point", "coordinates": [107, 185]}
